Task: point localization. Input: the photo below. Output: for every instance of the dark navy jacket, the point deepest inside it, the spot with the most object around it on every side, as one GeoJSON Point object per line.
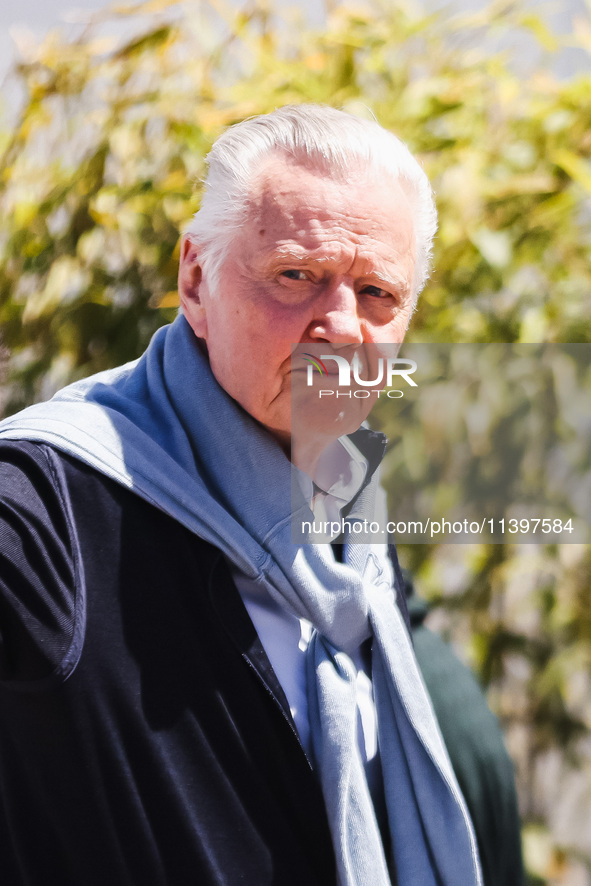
{"type": "Point", "coordinates": [144, 738]}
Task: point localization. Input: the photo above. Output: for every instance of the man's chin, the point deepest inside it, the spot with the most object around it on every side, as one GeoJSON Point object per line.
{"type": "Point", "coordinates": [314, 421]}
{"type": "Point", "coordinates": [317, 422]}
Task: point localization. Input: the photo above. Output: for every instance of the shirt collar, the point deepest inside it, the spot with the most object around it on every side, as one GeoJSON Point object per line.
{"type": "Point", "coordinates": [343, 472]}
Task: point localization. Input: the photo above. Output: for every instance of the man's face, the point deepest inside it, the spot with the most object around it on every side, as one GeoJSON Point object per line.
{"type": "Point", "coordinates": [317, 262]}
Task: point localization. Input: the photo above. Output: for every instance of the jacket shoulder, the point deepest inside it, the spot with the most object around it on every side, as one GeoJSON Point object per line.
{"type": "Point", "coordinates": [41, 575]}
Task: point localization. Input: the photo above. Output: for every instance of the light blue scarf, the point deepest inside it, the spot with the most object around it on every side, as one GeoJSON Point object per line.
{"type": "Point", "coordinates": [164, 428]}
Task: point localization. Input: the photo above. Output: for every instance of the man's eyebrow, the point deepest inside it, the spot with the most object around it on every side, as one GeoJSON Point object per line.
{"type": "Point", "coordinates": [280, 253]}
{"type": "Point", "coordinates": [396, 281]}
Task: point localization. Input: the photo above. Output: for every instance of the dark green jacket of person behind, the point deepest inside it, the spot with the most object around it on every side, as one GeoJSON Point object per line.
{"type": "Point", "coordinates": [476, 749]}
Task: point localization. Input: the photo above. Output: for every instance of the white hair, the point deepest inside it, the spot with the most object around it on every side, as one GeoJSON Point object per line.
{"type": "Point", "coordinates": [333, 142]}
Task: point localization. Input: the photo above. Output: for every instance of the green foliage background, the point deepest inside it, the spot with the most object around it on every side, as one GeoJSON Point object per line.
{"type": "Point", "coordinates": [102, 169]}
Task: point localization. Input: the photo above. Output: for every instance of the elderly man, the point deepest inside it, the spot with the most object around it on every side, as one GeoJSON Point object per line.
{"type": "Point", "coordinates": [186, 696]}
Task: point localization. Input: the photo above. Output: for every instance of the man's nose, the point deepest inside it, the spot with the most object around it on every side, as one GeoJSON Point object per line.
{"type": "Point", "coordinates": [336, 314]}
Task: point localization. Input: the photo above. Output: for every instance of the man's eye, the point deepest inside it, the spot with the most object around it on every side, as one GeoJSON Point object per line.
{"type": "Point", "coordinates": [294, 274]}
{"type": "Point", "coordinates": [375, 292]}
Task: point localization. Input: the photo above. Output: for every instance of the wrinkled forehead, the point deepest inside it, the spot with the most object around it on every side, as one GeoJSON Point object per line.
{"type": "Point", "coordinates": [292, 203]}
{"type": "Point", "coordinates": [289, 191]}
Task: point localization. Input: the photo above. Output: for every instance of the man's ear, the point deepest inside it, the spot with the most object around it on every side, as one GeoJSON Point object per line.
{"type": "Point", "coordinates": [190, 285]}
